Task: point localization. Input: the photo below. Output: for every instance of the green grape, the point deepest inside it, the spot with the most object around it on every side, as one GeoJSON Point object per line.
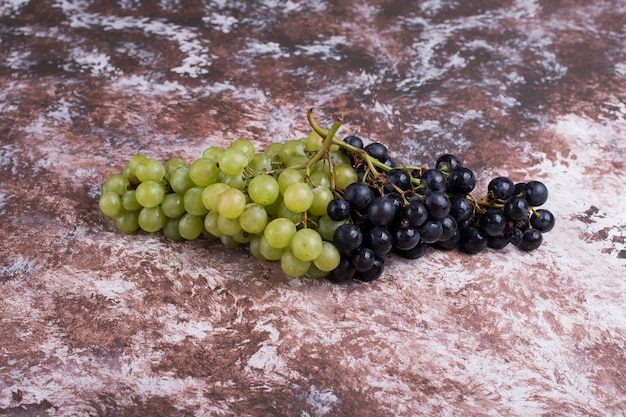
{"type": "Point", "coordinates": [172, 165]}
{"type": "Point", "coordinates": [210, 224]}
{"type": "Point", "coordinates": [320, 179]}
{"type": "Point", "coordinates": [149, 194]}
{"type": "Point", "coordinates": [127, 221]}
{"type": "Point", "coordinates": [211, 194]}
{"type": "Point", "coordinates": [129, 201]}
{"type": "Point", "coordinates": [298, 197]}
{"type": "Point", "coordinates": [327, 226]}
{"type": "Point", "coordinates": [234, 181]}
{"type": "Point", "coordinates": [190, 226]}
{"type": "Point", "coordinates": [170, 229]}
{"type": "Point", "coordinates": [229, 241]}
{"type": "Point", "coordinates": [273, 151]}
{"type": "Point", "coordinates": [314, 141]}
{"type": "Point", "coordinates": [344, 175]}
{"type": "Point", "coordinates": [180, 181]}
{"type": "Point", "coordinates": [212, 152]}
{"type": "Point", "coordinates": [243, 236]}
{"type": "Point", "coordinates": [260, 163]}
{"type": "Point", "coordinates": [151, 219]}
{"type": "Point", "coordinates": [328, 258]}
{"type": "Point", "coordinates": [231, 203]}
{"type": "Point", "coordinates": [131, 166]}
{"type": "Point", "coordinates": [253, 219]}
{"type": "Point", "coordinates": [110, 204]}
{"type": "Point", "coordinates": [245, 146]}
{"type": "Point", "coordinates": [255, 248]}
{"type": "Point", "coordinates": [321, 166]}
{"type": "Point", "coordinates": [339, 158]}
{"type": "Point", "coordinates": [288, 177]}
{"type": "Point", "coordinates": [315, 272]}
{"type": "Point", "coordinates": [116, 183]}
{"type": "Point", "coordinates": [272, 209]}
{"type": "Point", "coordinates": [263, 189]}
{"type": "Point", "coordinates": [193, 201]}
{"type": "Point", "coordinates": [268, 251]}
{"type": "Point", "coordinates": [228, 226]}
{"type": "Point", "coordinates": [284, 212]}
{"type": "Point", "coordinates": [306, 244]}
{"type": "Point", "coordinates": [232, 161]}
{"type": "Point", "coordinates": [203, 172]}
{"type": "Point", "coordinates": [173, 205]}
{"type": "Point", "coordinates": [149, 169]}
{"type": "Point", "coordinates": [292, 148]}
{"type": "Point", "coordinates": [279, 232]}
{"type": "Point", "coordinates": [296, 161]}
{"type": "Point", "coordinates": [293, 266]}
{"type": "Point", "coordinates": [321, 197]}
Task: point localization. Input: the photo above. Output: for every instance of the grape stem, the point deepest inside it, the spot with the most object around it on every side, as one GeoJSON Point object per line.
{"type": "Point", "coordinates": [328, 136]}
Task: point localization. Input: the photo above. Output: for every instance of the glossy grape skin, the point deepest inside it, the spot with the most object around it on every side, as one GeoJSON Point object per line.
{"type": "Point", "coordinates": [363, 259]}
{"type": "Point", "coordinates": [451, 243]}
{"type": "Point", "coordinates": [328, 258]}
{"type": "Point", "coordinates": [461, 181]}
{"type": "Point", "coordinates": [232, 161]}
{"type": "Point", "coordinates": [263, 189]}
{"type": "Point", "coordinates": [434, 180]}
{"type": "Point", "coordinates": [116, 183]}
{"type": "Point", "coordinates": [322, 196]}
{"type": "Point", "coordinates": [151, 219]}
{"type": "Point", "coordinates": [279, 232]}
{"type": "Point", "coordinates": [306, 244]}
{"type": "Point", "coordinates": [502, 188]}
{"type": "Point", "coordinates": [497, 242]}
{"type": "Point", "coordinates": [379, 239]}
{"type": "Point", "coordinates": [531, 240]}
{"type": "Point", "coordinates": [129, 201]}
{"type": "Point", "coordinates": [516, 208]}
{"type": "Point", "coordinates": [473, 240]}
{"type": "Point", "coordinates": [110, 204]}
{"type": "Point", "coordinates": [347, 238]}
{"type": "Point", "coordinates": [405, 238]}
{"type": "Point", "coordinates": [373, 273]}
{"type": "Point", "coordinates": [149, 169]}
{"type": "Point", "coordinates": [437, 205]}
{"type": "Point", "coordinates": [449, 226]}
{"type": "Point", "coordinates": [447, 162]}
{"type": "Point", "coordinates": [338, 209]}
{"type": "Point", "coordinates": [344, 175]}
{"type": "Point", "coordinates": [398, 177]}
{"type": "Point", "coordinates": [292, 265]}
{"type": "Point", "coordinates": [203, 172]}
{"type": "Point", "coordinates": [493, 222]}
{"type": "Point", "coordinates": [542, 220]}
{"type": "Point", "coordinates": [344, 272]}
{"type": "Point", "coordinates": [460, 208]}
{"type": "Point", "coordinates": [381, 211]}
{"type": "Point", "coordinates": [298, 197]}
{"type": "Point", "coordinates": [190, 226]}
{"type": "Point", "coordinates": [417, 252]}
{"type": "Point", "coordinates": [416, 213]}
{"type": "Point", "coordinates": [149, 194]}
{"type": "Point", "coordinates": [358, 195]}
{"type": "Point", "coordinates": [253, 218]}
{"type": "Point", "coordinates": [431, 231]}
{"type": "Point", "coordinates": [355, 141]}
{"type": "Point", "coordinates": [536, 193]}
{"type": "Point", "coordinates": [378, 151]}
{"type": "Point", "coordinates": [127, 221]}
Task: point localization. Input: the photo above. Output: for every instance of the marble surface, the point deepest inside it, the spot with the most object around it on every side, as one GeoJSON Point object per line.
{"type": "Point", "coordinates": [93, 322]}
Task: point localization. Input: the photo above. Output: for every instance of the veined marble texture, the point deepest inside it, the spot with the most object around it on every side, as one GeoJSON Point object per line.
{"type": "Point", "coordinates": [97, 323]}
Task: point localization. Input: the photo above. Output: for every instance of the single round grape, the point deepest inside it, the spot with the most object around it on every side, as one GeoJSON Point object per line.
{"type": "Point", "coordinates": [461, 181]}
{"type": "Point", "coordinates": [416, 213]}
{"type": "Point", "coordinates": [203, 172]}
{"type": "Point", "coordinates": [449, 226]}
{"type": "Point", "coordinates": [131, 166]}
{"type": "Point", "coordinates": [347, 238]}
{"type": "Point", "coordinates": [531, 240]}
{"type": "Point", "coordinates": [327, 226]}
{"type": "Point", "coordinates": [172, 165]}
{"type": "Point", "coordinates": [129, 201]}
{"type": "Point", "coordinates": [284, 212]}
{"type": "Point", "coordinates": [431, 231]}
{"type": "Point", "coordinates": [378, 151]}
{"type": "Point", "coordinates": [232, 161]}
{"type": "Point", "coordinates": [263, 189]}
{"type": "Point", "coordinates": [354, 141]}
{"type": "Point", "coordinates": [151, 219]}
{"type": "Point", "coordinates": [173, 205]}
{"type": "Point", "coordinates": [238, 181]}
{"type": "Point", "coordinates": [344, 175]}
{"type": "Point", "coordinates": [279, 232]}
{"type": "Point", "coordinates": [363, 259]}
{"type": "Point", "coordinates": [313, 141]}
{"type": "Point", "coordinates": [268, 251]}
{"type": "Point", "coordinates": [542, 220]}
{"type": "Point", "coordinates": [210, 224]}
{"type": "Point", "coordinates": [437, 205]}
{"type": "Point", "coordinates": [320, 179]}
{"type": "Point", "coordinates": [502, 188]}
{"type": "Point", "coordinates": [450, 243]}
{"type": "Point", "coordinates": [212, 152]}
{"type": "Point", "coordinates": [374, 272]}
{"type": "Point", "coordinates": [170, 229]}
{"type": "Point", "coordinates": [231, 203]}
{"type": "Point", "coordinates": [359, 195]}
{"type": "Point", "coordinates": [292, 265]}
{"type": "Point", "coordinates": [405, 238]}
{"type": "Point", "coordinates": [255, 248]}
{"type": "Point", "coordinates": [127, 221]}
{"type": "Point", "coordinates": [298, 197]}
{"type": "Point", "coordinates": [398, 177]}
{"type": "Point", "coordinates": [435, 180]}
{"type": "Point", "coordinates": [497, 242]}
{"type": "Point", "coordinates": [381, 212]}
{"type": "Point", "coordinates": [379, 239]}
{"type": "Point", "coordinates": [344, 272]}
{"type": "Point", "coordinates": [516, 208]}
{"type": "Point", "coordinates": [149, 194]}
{"type": "Point", "coordinates": [253, 218]}
{"type": "Point", "coordinates": [229, 242]}
{"type": "Point", "coordinates": [322, 196]}
{"type": "Point", "coordinates": [149, 169]}
{"type": "Point", "coordinates": [473, 240]}
{"type": "Point", "coordinates": [448, 162]}
{"type": "Point", "coordinates": [180, 181]}
{"type": "Point", "coordinates": [329, 257]}
{"type": "Point", "coordinates": [460, 208]}
{"type": "Point", "coordinates": [116, 183]}
{"type": "Point", "coordinates": [211, 194]}
{"type": "Point", "coordinates": [338, 209]}
{"type": "Point", "coordinates": [260, 163]}
{"type": "Point", "coordinates": [190, 226]}
{"type": "Point", "coordinates": [492, 222]}
{"type": "Point", "coordinates": [287, 177]}
{"type": "Point", "coordinates": [306, 244]}
{"type": "Point", "coordinates": [245, 146]}
{"type": "Point", "coordinates": [110, 204]}
{"type": "Point", "coordinates": [273, 151]}
{"type": "Point", "coordinates": [292, 148]}
{"type": "Point", "coordinates": [536, 193]}
{"type": "Point", "coordinates": [228, 226]}
{"type": "Point", "coordinates": [193, 201]}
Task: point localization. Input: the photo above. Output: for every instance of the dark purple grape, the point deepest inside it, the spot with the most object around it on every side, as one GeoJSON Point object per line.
{"type": "Point", "coordinates": [374, 272]}
{"type": "Point", "coordinates": [461, 181]}
{"type": "Point", "coordinates": [467, 223]}
{"type": "Point", "coordinates": [449, 227]}
{"type": "Point", "coordinates": [397, 200]}
{"type": "Point", "coordinates": [359, 196]}
{"type": "Point", "coordinates": [451, 243]}
{"type": "Point", "coordinates": [460, 208]}
{"type": "Point", "coordinates": [519, 189]}
{"type": "Point", "coordinates": [502, 188]}
{"type": "Point", "coordinates": [363, 259]}
{"type": "Point", "coordinates": [381, 211]}
{"type": "Point", "coordinates": [493, 222]}
{"type": "Point", "coordinates": [536, 193]}
{"type": "Point", "coordinates": [347, 238]}
{"type": "Point", "coordinates": [398, 177]}
{"type": "Point", "coordinates": [379, 239]}
{"type": "Point", "coordinates": [405, 238]}
{"type": "Point", "coordinates": [434, 180]}
{"type": "Point", "coordinates": [531, 240]}
{"type": "Point", "coordinates": [378, 151]}
{"type": "Point", "coordinates": [344, 271]}
{"type": "Point", "coordinates": [473, 240]}
{"type": "Point", "coordinates": [338, 209]}
{"type": "Point", "coordinates": [447, 162]}
{"type": "Point", "coordinates": [416, 213]}
{"type": "Point", "coordinates": [437, 205]}
{"type": "Point", "coordinates": [516, 208]}
{"type": "Point", "coordinates": [355, 141]}
{"type": "Point", "coordinates": [431, 231]}
{"type": "Point", "coordinates": [542, 220]}
{"type": "Point", "coordinates": [497, 242]}
{"type": "Point", "coordinates": [417, 252]}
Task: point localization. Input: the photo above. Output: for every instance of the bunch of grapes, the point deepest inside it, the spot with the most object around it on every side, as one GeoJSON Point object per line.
{"type": "Point", "coordinates": [322, 206]}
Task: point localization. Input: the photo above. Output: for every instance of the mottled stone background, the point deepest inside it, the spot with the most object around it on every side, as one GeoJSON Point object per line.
{"type": "Point", "coordinates": [96, 323]}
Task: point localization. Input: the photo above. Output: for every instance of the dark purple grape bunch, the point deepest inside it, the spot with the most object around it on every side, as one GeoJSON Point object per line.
{"type": "Point", "coordinates": [407, 211]}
